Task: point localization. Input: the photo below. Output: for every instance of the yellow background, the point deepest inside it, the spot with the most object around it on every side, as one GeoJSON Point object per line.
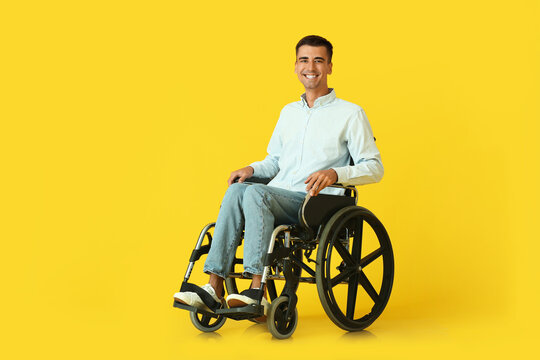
{"type": "Point", "coordinates": [121, 121]}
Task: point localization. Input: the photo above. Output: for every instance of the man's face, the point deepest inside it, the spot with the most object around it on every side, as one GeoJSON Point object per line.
{"type": "Point", "coordinates": [312, 67]}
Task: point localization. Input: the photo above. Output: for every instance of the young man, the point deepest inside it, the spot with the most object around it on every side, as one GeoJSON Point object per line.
{"type": "Point", "coordinates": [310, 148]}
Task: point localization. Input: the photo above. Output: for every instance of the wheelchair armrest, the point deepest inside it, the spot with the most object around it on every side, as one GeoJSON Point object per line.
{"type": "Point", "coordinates": [256, 180]}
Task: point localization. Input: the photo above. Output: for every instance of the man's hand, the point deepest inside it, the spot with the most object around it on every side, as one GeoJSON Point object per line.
{"type": "Point", "coordinates": [319, 180]}
{"type": "Point", "coordinates": [242, 174]}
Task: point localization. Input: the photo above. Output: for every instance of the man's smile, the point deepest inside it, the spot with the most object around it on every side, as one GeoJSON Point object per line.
{"type": "Point", "coordinates": [310, 76]}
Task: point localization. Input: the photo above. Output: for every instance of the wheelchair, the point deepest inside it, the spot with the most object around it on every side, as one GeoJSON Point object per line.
{"type": "Point", "coordinates": [340, 231]}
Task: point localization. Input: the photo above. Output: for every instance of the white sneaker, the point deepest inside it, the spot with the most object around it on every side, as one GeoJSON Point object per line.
{"type": "Point", "coordinates": [238, 300]}
{"type": "Point", "coordinates": [193, 299]}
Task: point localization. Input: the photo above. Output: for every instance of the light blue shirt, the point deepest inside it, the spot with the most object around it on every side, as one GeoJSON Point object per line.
{"type": "Point", "coordinates": [326, 136]}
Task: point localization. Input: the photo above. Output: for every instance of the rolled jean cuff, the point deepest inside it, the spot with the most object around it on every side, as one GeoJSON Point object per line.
{"type": "Point", "coordinates": [210, 271]}
{"type": "Point", "coordinates": [252, 271]}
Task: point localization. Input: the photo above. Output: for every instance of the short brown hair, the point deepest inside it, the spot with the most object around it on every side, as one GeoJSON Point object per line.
{"type": "Point", "coordinates": [315, 40]}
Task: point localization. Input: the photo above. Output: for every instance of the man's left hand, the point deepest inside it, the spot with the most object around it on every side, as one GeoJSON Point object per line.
{"type": "Point", "coordinates": [319, 180]}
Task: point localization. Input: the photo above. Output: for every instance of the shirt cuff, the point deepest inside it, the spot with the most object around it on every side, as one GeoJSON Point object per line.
{"type": "Point", "coordinates": [255, 167]}
{"type": "Point", "coordinates": [341, 174]}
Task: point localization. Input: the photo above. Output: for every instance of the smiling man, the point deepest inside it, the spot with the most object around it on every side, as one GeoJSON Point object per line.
{"type": "Point", "coordinates": [311, 147]}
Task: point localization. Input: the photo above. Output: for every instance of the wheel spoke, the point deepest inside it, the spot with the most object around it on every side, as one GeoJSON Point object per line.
{"type": "Point", "coordinates": [371, 257]}
{"type": "Point", "coordinates": [364, 281]}
{"type": "Point", "coordinates": [341, 276]}
{"type": "Point", "coordinates": [347, 258]}
{"type": "Point", "coordinates": [278, 319]}
{"type": "Point", "coordinates": [205, 320]}
{"type": "Point", "coordinates": [281, 320]}
{"type": "Point", "coordinates": [357, 241]}
{"type": "Point", "coordinates": [351, 295]}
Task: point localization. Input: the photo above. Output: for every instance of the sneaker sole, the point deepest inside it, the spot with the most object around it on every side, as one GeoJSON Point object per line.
{"type": "Point", "coordinates": [180, 301]}
{"type": "Point", "coordinates": [236, 303]}
{"type": "Point", "coordinates": [203, 307]}
{"type": "Point", "coordinates": [239, 303]}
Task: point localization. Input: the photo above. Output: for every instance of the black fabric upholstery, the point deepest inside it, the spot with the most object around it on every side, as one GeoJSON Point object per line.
{"type": "Point", "coordinates": [320, 208]}
{"type": "Point", "coordinates": [251, 293]}
{"type": "Point", "coordinates": [256, 180]}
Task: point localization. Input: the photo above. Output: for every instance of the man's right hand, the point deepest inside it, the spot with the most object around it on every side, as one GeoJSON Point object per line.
{"type": "Point", "coordinates": [241, 174]}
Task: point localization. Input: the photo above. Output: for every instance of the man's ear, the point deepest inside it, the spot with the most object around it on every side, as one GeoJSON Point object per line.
{"type": "Point", "coordinates": [295, 66]}
{"type": "Point", "coordinates": [330, 68]}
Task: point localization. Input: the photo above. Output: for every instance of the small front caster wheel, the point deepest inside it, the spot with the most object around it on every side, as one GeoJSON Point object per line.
{"type": "Point", "coordinates": [281, 327]}
{"type": "Point", "coordinates": [207, 323]}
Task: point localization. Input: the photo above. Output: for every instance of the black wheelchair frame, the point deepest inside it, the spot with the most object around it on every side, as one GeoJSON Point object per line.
{"type": "Point", "coordinates": [328, 223]}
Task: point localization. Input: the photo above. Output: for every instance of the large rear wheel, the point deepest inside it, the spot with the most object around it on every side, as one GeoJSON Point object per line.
{"type": "Point", "coordinates": [355, 268]}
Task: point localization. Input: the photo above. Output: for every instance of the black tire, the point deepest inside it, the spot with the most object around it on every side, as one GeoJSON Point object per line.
{"type": "Point", "coordinates": [360, 311]}
{"type": "Point", "coordinates": [279, 326]}
{"type": "Point", "coordinates": [206, 323]}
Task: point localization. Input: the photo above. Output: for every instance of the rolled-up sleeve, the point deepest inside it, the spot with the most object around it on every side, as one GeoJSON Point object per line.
{"type": "Point", "coordinates": [367, 166]}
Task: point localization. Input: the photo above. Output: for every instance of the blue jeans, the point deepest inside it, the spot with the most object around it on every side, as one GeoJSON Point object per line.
{"type": "Point", "coordinates": [259, 208]}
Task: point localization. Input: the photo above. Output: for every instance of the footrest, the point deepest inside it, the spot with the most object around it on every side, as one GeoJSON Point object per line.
{"type": "Point", "coordinates": [176, 304]}
{"type": "Point", "coordinates": [242, 313]}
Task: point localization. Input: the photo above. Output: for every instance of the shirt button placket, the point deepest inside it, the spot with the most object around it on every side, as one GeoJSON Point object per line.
{"type": "Point", "coordinates": [308, 115]}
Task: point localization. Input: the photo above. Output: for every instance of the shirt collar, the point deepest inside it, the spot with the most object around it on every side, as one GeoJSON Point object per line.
{"type": "Point", "coordinates": [321, 100]}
